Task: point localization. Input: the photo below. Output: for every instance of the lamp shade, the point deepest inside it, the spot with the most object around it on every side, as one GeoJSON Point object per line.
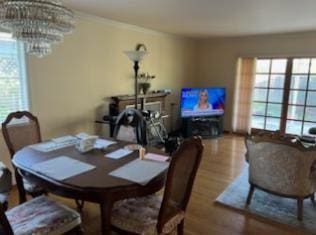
{"type": "Point", "coordinates": [136, 56]}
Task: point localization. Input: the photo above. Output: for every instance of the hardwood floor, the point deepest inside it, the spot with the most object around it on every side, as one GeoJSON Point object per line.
{"type": "Point", "coordinates": [222, 162]}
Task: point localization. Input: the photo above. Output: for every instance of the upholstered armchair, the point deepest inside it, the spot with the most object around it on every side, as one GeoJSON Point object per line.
{"type": "Point", "coordinates": [282, 167]}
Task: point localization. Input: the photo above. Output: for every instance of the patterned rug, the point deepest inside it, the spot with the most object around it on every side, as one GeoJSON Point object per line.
{"type": "Point", "coordinates": [276, 208]}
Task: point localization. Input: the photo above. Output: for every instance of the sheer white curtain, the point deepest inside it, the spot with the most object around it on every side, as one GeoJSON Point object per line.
{"type": "Point", "coordinates": [246, 69]}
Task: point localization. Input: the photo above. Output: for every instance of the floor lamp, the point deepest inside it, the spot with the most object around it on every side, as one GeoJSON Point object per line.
{"type": "Point", "coordinates": [136, 56]}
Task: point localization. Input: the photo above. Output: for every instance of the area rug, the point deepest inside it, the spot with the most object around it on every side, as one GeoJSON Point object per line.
{"type": "Point", "coordinates": [276, 208]}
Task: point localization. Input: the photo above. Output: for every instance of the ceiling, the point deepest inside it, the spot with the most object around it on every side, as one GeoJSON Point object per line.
{"type": "Point", "coordinates": [207, 18]}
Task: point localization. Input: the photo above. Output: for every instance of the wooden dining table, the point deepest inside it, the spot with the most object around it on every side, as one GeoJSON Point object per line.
{"type": "Point", "coordinates": [96, 185]}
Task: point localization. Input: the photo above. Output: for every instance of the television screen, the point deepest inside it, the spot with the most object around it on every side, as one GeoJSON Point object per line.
{"type": "Point", "coordinates": [198, 102]}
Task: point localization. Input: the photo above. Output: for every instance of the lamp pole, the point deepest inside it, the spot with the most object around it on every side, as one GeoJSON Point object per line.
{"type": "Point", "coordinates": [136, 68]}
{"type": "Point", "coordinates": [136, 56]}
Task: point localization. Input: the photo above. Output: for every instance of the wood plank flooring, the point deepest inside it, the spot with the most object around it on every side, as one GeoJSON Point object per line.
{"type": "Point", "coordinates": [222, 162]}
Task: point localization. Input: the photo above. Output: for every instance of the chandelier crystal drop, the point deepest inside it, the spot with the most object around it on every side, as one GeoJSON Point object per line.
{"type": "Point", "coordinates": [37, 23]}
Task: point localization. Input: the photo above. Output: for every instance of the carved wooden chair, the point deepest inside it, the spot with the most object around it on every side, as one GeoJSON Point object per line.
{"type": "Point", "coordinates": [40, 216]}
{"type": "Point", "coordinates": [130, 126]}
{"type": "Point", "coordinates": [162, 215]}
{"type": "Point", "coordinates": [19, 130]}
{"type": "Point", "coordinates": [282, 167]}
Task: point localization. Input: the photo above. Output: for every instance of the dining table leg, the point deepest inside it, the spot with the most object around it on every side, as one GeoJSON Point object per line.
{"type": "Point", "coordinates": [106, 210]}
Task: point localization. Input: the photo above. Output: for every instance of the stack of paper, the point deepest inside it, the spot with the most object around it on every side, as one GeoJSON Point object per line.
{"type": "Point", "coordinates": [62, 167]}
{"type": "Point", "coordinates": [140, 171]}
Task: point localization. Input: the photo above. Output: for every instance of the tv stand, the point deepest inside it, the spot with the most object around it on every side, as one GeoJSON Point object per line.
{"type": "Point", "coordinates": [206, 127]}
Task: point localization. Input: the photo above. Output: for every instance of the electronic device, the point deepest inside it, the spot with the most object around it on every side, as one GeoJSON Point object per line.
{"type": "Point", "coordinates": [202, 102]}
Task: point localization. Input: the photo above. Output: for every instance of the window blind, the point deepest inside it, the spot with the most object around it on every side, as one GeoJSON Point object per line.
{"type": "Point", "coordinates": [13, 82]}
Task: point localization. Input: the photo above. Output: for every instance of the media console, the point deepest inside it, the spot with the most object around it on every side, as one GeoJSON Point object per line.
{"type": "Point", "coordinates": [206, 127]}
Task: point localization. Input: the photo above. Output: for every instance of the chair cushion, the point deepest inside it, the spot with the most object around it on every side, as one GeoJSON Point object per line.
{"type": "Point", "coordinates": [140, 215]}
{"type": "Point", "coordinates": [127, 133]}
{"type": "Point", "coordinates": [42, 216]}
{"type": "Point", "coordinates": [4, 197]}
{"type": "Point", "coordinates": [30, 186]}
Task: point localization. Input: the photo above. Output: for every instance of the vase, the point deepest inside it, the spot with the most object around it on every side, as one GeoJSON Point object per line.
{"type": "Point", "coordinates": [144, 87]}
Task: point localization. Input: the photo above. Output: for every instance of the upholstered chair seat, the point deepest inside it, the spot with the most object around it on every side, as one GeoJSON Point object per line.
{"type": "Point", "coordinates": [31, 187]}
{"type": "Point", "coordinates": [140, 216]}
{"type": "Point", "coordinates": [42, 216]}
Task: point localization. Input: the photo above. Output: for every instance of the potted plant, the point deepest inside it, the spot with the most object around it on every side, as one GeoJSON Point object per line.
{"type": "Point", "coordinates": [144, 82]}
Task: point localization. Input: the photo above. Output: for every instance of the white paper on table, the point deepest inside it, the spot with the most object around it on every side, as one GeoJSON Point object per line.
{"type": "Point", "coordinates": [119, 153]}
{"type": "Point", "coordinates": [62, 167]}
{"type": "Point", "coordinates": [140, 171]}
{"type": "Point", "coordinates": [102, 143]}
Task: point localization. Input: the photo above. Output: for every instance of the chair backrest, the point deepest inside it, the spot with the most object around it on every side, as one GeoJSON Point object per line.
{"type": "Point", "coordinates": [282, 166]}
{"type": "Point", "coordinates": [19, 130]}
{"type": "Point", "coordinates": [131, 126]}
{"type": "Point", "coordinates": [181, 174]}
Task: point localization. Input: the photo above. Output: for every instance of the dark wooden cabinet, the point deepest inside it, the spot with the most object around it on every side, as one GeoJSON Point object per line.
{"type": "Point", "coordinates": [152, 101]}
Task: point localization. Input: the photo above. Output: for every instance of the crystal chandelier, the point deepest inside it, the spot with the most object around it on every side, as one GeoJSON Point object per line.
{"type": "Point", "coordinates": [37, 23]}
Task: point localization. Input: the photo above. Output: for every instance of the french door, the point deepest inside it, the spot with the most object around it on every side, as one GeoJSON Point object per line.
{"type": "Point", "coordinates": [284, 95]}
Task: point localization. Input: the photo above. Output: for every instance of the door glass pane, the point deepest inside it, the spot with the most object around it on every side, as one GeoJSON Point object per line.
{"type": "Point", "coordinates": [257, 122]}
{"type": "Point", "coordinates": [310, 114]}
{"type": "Point", "coordinates": [312, 83]}
{"type": "Point", "coordinates": [261, 80]}
{"type": "Point", "coordinates": [263, 66]}
{"type": "Point", "coordinates": [277, 81]}
{"type": "Point", "coordinates": [272, 124]}
{"type": "Point", "coordinates": [293, 127]}
{"type": "Point", "coordinates": [278, 65]}
{"type": "Point", "coordinates": [307, 126]}
{"type": "Point", "coordinates": [274, 110]}
{"type": "Point", "coordinates": [311, 98]}
{"type": "Point", "coordinates": [259, 108]}
{"type": "Point", "coordinates": [301, 65]}
{"type": "Point", "coordinates": [260, 94]}
{"type": "Point", "coordinates": [299, 82]}
{"type": "Point", "coordinates": [295, 112]}
{"type": "Point", "coordinates": [275, 95]}
{"type": "Point", "coordinates": [297, 97]}
{"type": "Point", "coordinates": [313, 66]}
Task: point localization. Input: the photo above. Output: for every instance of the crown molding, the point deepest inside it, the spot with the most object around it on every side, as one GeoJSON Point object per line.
{"type": "Point", "coordinates": [122, 25]}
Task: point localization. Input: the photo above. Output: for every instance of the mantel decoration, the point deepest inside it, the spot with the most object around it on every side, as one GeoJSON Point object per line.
{"type": "Point", "coordinates": [136, 56]}
{"type": "Point", "coordinates": [37, 23]}
{"type": "Point", "coordinates": [144, 82]}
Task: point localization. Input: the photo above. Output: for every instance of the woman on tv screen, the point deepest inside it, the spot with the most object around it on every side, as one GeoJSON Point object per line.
{"type": "Point", "coordinates": [203, 103]}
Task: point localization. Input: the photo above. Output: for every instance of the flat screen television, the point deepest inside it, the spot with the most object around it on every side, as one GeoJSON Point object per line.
{"type": "Point", "coordinates": [201, 102]}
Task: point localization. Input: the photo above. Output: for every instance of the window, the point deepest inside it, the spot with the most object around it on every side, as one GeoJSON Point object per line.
{"type": "Point", "coordinates": [13, 84]}
{"type": "Point", "coordinates": [285, 95]}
